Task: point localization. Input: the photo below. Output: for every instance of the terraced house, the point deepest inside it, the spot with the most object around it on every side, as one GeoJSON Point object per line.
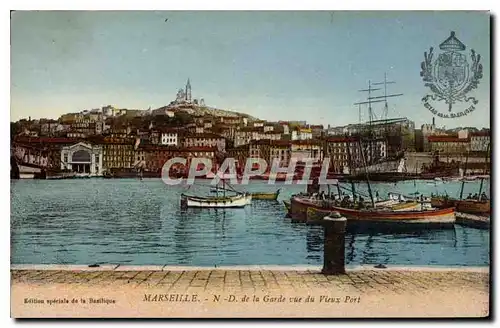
{"type": "Point", "coordinates": [118, 153]}
{"type": "Point", "coordinates": [204, 140]}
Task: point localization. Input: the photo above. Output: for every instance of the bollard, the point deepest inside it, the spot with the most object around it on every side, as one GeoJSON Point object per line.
{"type": "Point", "coordinates": [334, 248]}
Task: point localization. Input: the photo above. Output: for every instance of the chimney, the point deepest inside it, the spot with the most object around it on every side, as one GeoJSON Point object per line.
{"type": "Point", "coordinates": [433, 121]}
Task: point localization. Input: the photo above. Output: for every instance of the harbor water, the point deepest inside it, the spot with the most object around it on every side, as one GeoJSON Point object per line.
{"type": "Point", "coordinates": [132, 221]}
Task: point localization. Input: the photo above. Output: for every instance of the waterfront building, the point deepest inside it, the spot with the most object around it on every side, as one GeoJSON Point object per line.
{"type": "Point", "coordinates": [448, 144]}
{"type": "Point", "coordinates": [280, 150]}
{"type": "Point", "coordinates": [479, 141]}
{"type": "Point", "coordinates": [374, 150]}
{"type": "Point", "coordinates": [240, 154]}
{"type": "Point", "coordinates": [31, 154]}
{"type": "Point", "coordinates": [118, 153]}
{"type": "Point", "coordinates": [344, 153]}
{"type": "Point", "coordinates": [259, 149]}
{"type": "Point", "coordinates": [139, 158]}
{"type": "Point", "coordinates": [82, 158]}
{"type": "Point", "coordinates": [302, 150]}
{"type": "Point", "coordinates": [270, 150]}
{"type": "Point", "coordinates": [32, 150]}
{"type": "Point", "coordinates": [155, 156]}
{"type": "Point", "coordinates": [428, 130]}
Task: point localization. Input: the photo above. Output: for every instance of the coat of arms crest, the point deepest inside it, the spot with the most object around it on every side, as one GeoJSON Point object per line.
{"type": "Point", "coordinates": [450, 77]}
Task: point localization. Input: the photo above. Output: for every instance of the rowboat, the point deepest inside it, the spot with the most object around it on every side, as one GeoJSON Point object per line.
{"type": "Point", "coordinates": [266, 196]}
{"type": "Point", "coordinates": [239, 200]}
{"type": "Point", "coordinates": [310, 211]}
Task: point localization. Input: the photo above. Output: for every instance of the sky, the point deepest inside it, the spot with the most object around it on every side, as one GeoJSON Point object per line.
{"type": "Point", "coordinates": [302, 65]}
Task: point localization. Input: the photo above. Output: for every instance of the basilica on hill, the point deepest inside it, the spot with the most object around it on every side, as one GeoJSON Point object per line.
{"type": "Point", "coordinates": [184, 97]}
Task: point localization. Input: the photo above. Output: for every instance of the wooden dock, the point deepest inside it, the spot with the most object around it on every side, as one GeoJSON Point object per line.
{"type": "Point", "coordinates": [471, 220]}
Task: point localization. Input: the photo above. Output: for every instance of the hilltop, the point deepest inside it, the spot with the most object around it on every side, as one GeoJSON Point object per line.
{"type": "Point", "coordinates": [196, 110]}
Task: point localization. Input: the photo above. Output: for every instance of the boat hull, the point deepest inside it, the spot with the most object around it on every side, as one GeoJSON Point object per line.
{"type": "Point", "coordinates": [265, 196]}
{"type": "Point", "coordinates": [473, 206]}
{"type": "Point", "coordinates": [310, 212]}
{"type": "Point", "coordinates": [216, 202]}
{"type": "Point", "coordinates": [469, 206]}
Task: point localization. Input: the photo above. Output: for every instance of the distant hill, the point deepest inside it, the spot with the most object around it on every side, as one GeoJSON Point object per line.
{"type": "Point", "coordinates": [196, 110]}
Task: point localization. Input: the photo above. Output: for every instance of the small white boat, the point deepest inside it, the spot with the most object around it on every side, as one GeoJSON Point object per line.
{"type": "Point", "coordinates": [239, 200]}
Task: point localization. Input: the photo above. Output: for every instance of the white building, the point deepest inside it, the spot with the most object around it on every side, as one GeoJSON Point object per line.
{"type": "Point", "coordinates": [268, 128]}
{"type": "Point", "coordinates": [82, 158]}
{"type": "Point", "coordinates": [301, 134]}
{"type": "Point", "coordinates": [169, 138]}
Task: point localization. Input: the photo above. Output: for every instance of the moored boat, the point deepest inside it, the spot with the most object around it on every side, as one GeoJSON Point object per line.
{"type": "Point", "coordinates": [266, 195]}
{"type": "Point", "coordinates": [405, 206]}
{"type": "Point", "coordinates": [309, 211]}
{"type": "Point", "coordinates": [239, 200]}
{"type": "Point", "coordinates": [471, 206]}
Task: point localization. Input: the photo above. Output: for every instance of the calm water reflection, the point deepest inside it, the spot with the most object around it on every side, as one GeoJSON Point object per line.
{"type": "Point", "coordinates": [140, 222]}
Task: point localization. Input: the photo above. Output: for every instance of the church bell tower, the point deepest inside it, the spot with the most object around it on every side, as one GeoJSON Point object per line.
{"type": "Point", "coordinates": [188, 91]}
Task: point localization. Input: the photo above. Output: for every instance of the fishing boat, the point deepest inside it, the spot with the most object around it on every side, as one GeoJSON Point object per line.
{"type": "Point", "coordinates": [266, 195]}
{"type": "Point", "coordinates": [476, 205]}
{"type": "Point", "coordinates": [237, 199]}
{"type": "Point", "coordinates": [391, 214]}
{"type": "Point", "coordinates": [310, 211]}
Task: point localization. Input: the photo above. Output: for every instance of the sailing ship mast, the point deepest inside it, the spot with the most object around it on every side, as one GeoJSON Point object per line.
{"type": "Point", "coordinates": [375, 99]}
{"type": "Point", "coordinates": [370, 101]}
{"type": "Point", "coordinates": [385, 96]}
{"type": "Point", "coordinates": [463, 179]}
{"type": "Point", "coordinates": [482, 179]}
{"type": "Point", "coordinates": [349, 162]}
{"type": "Point", "coordinates": [366, 172]}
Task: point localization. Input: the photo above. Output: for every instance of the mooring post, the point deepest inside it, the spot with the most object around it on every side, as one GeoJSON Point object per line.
{"type": "Point", "coordinates": [334, 248]}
